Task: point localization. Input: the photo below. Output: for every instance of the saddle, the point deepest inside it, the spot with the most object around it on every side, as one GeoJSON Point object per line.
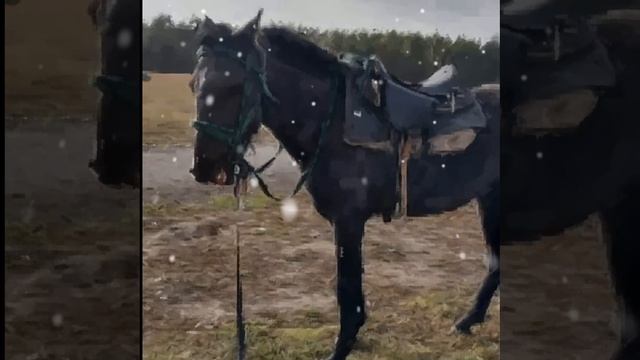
{"type": "Point", "coordinates": [555, 65]}
{"type": "Point", "coordinates": [384, 113]}
{"type": "Point", "coordinates": [378, 104]}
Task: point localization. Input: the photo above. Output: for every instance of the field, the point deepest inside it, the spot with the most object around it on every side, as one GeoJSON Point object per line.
{"type": "Point", "coordinates": [52, 79]}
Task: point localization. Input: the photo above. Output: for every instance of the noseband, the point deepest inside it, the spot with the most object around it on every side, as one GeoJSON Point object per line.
{"type": "Point", "coordinates": [255, 89]}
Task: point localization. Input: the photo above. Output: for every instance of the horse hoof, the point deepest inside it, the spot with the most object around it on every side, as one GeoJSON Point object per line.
{"type": "Point", "coordinates": [460, 330]}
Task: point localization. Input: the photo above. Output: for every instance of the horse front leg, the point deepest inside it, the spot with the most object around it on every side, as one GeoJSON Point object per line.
{"type": "Point", "coordinates": [348, 236]}
{"type": "Point", "coordinates": [620, 231]}
{"type": "Point", "coordinates": [489, 207]}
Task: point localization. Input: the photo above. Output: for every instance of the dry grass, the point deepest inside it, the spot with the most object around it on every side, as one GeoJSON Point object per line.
{"type": "Point", "coordinates": [51, 53]}
{"type": "Point", "coordinates": [168, 109]}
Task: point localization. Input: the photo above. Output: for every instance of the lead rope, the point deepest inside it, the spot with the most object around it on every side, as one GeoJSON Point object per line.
{"type": "Point", "coordinates": [240, 189]}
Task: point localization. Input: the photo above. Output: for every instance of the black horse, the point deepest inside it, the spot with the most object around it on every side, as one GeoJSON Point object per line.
{"type": "Point", "coordinates": [555, 181]}
{"type": "Point", "coordinates": [119, 135]}
{"type": "Point", "coordinates": [348, 184]}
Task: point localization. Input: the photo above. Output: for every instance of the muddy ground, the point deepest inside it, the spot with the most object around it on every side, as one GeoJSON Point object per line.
{"type": "Point", "coordinates": [72, 250]}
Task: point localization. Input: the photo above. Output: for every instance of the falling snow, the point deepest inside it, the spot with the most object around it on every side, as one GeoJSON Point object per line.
{"type": "Point", "coordinates": [62, 143]}
{"type": "Point", "coordinates": [524, 77]}
{"type": "Point", "coordinates": [172, 259]}
{"type": "Point", "coordinates": [220, 39]}
{"type": "Point", "coordinates": [435, 63]}
{"type": "Point", "coordinates": [313, 103]}
{"type": "Point", "coordinates": [239, 54]}
{"type": "Point", "coordinates": [155, 198]}
{"type": "Point", "coordinates": [183, 43]}
{"type": "Point", "coordinates": [573, 314]}
{"type": "Point", "coordinates": [443, 166]}
{"type": "Point", "coordinates": [364, 181]}
{"type": "Point", "coordinates": [28, 213]}
{"type": "Point", "coordinates": [462, 255]}
{"type": "Point", "coordinates": [209, 100]}
{"type": "Point", "coordinates": [227, 73]}
{"type": "Point", "coordinates": [203, 11]}
{"type": "Point", "coordinates": [175, 159]}
{"type": "Point", "coordinates": [422, 11]}
{"type": "Point", "coordinates": [57, 319]}
{"type": "Point", "coordinates": [253, 182]}
{"type": "Point", "coordinates": [289, 210]}
{"type": "Point", "coordinates": [539, 155]}
{"type": "Point", "coordinates": [124, 38]}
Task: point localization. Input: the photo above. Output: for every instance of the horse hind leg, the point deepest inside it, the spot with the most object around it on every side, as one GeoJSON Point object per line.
{"type": "Point", "coordinates": [622, 236]}
{"type": "Point", "coordinates": [489, 207]}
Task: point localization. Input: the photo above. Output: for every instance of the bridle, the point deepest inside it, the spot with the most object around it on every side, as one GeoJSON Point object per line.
{"type": "Point", "coordinates": [254, 95]}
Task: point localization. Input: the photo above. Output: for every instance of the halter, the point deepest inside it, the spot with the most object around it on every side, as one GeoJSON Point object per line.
{"type": "Point", "coordinates": [255, 89]}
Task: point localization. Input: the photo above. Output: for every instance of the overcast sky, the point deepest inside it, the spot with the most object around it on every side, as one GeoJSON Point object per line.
{"type": "Point", "coordinates": [472, 18]}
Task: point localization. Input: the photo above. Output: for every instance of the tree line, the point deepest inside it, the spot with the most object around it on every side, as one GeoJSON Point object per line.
{"type": "Point", "coordinates": [168, 47]}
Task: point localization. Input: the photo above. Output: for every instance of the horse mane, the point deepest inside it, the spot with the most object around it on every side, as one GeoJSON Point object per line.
{"type": "Point", "coordinates": [294, 50]}
{"type": "Point", "coordinates": [289, 47]}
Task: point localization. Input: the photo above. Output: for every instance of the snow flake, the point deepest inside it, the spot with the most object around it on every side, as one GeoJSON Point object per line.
{"type": "Point", "coordinates": [125, 37]}
{"type": "Point", "coordinates": [289, 210]}
{"type": "Point", "coordinates": [209, 100]}
{"type": "Point", "coordinates": [57, 319]}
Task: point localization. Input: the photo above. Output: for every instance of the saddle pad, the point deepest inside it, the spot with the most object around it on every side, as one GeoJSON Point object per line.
{"type": "Point", "coordinates": [564, 111]}
{"type": "Point", "coordinates": [455, 142]}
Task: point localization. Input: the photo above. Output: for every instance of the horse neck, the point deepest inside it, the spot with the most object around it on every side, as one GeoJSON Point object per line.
{"type": "Point", "coordinates": [294, 120]}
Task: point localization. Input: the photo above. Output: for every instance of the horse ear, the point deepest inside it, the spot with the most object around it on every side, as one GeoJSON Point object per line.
{"type": "Point", "coordinates": [253, 27]}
